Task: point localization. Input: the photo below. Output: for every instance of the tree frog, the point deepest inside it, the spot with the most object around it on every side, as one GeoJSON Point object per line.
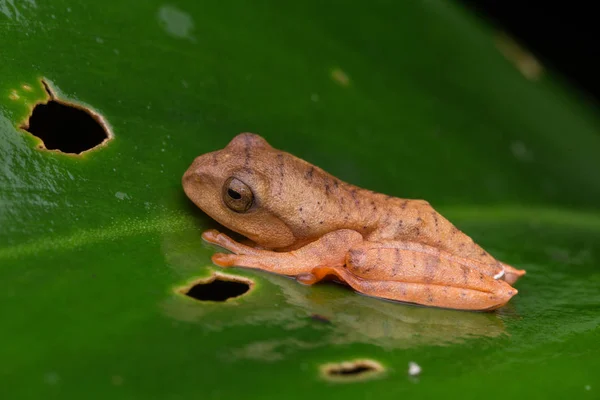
{"type": "Point", "coordinates": [305, 223]}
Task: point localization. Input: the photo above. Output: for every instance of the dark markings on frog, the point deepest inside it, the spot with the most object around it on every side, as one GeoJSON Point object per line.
{"type": "Point", "coordinates": [281, 172]}
{"type": "Point", "coordinates": [435, 220]}
{"type": "Point", "coordinates": [248, 144]}
{"type": "Point", "coordinates": [353, 194]}
{"type": "Point", "coordinates": [465, 273]}
{"type": "Point", "coordinates": [397, 262]}
{"type": "Point", "coordinates": [309, 174]}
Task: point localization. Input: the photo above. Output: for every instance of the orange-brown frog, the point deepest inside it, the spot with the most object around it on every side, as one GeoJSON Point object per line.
{"type": "Point", "coordinates": [305, 223]}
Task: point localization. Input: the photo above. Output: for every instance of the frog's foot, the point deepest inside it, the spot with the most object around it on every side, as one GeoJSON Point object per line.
{"type": "Point", "coordinates": [241, 251]}
{"type": "Point", "coordinates": [220, 239]}
{"type": "Point", "coordinates": [511, 275]}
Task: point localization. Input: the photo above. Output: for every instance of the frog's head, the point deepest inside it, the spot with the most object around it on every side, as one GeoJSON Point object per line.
{"type": "Point", "coordinates": [232, 186]}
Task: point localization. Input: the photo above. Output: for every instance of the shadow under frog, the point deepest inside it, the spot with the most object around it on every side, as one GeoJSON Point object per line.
{"type": "Point", "coordinates": [278, 301]}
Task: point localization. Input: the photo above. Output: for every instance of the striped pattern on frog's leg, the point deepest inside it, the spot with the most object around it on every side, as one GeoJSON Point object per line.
{"type": "Point", "coordinates": [429, 294]}
{"type": "Point", "coordinates": [496, 269]}
{"type": "Point", "coordinates": [415, 273]}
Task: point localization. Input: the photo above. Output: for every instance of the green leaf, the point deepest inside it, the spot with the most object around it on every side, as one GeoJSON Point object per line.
{"type": "Point", "coordinates": [413, 99]}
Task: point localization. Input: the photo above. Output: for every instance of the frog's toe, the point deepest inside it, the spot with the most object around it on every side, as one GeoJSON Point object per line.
{"type": "Point", "coordinates": [512, 274]}
{"type": "Point", "coordinates": [320, 273]}
{"type": "Point", "coordinates": [211, 236]}
{"type": "Point", "coordinates": [223, 260]}
{"type": "Point", "coordinates": [307, 279]}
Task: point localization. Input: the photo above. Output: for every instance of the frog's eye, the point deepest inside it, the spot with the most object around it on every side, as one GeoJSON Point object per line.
{"type": "Point", "coordinates": [237, 195]}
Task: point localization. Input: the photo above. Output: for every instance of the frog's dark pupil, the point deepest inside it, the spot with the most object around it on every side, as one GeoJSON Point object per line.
{"type": "Point", "coordinates": [233, 194]}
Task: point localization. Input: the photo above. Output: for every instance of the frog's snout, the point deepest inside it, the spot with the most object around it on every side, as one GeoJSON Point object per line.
{"type": "Point", "coordinates": [190, 176]}
{"type": "Point", "coordinates": [195, 172]}
{"type": "Point", "coordinates": [194, 180]}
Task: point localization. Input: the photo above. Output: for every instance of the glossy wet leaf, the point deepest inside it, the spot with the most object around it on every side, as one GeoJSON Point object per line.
{"type": "Point", "coordinates": [413, 99]}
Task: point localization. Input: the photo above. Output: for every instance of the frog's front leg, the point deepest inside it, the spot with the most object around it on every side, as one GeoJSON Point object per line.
{"type": "Point", "coordinates": [390, 270]}
{"type": "Point", "coordinates": [330, 250]}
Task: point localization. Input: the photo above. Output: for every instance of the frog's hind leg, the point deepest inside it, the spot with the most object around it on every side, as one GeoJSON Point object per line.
{"type": "Point", "coordinates": [389, 270]}
{"type": "Point", "coordinates": [414, 292]}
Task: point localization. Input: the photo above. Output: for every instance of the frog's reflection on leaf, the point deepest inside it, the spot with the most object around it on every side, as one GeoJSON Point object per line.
{"type": "Point", "coordinates": [356, 318]}
{"type": "Point", "coordinates": [280, 302]}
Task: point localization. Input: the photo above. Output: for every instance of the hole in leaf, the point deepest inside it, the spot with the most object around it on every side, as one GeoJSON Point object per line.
{"type": "Point", "coordinates": [352, 370]}
{"type": "Point", "coordinates": [67, 127]}
{"type": "Point", "coordinates": [218, 287]}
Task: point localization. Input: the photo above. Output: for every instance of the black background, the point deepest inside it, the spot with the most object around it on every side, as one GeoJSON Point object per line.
{"type": "Point", "coordinates": [563, 36]}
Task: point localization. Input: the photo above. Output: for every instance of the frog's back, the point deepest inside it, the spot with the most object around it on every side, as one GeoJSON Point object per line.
{"type": "Point", "coordinates": [417, 221]}
{"type": "Point", "coordinates": [382, 217]}
{"type": "Point", "coordinates": [323, 203]}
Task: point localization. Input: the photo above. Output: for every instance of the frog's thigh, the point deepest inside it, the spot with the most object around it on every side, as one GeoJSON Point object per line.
{"type": "Point", "coordinates": [392, 260]}
{"type": "Point", "coordinates": [330, 250]}
{"type": "Point", "coordinates": [383, 270]}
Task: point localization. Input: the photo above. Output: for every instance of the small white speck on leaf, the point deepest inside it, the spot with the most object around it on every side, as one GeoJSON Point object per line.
{"type": "Point", "coordinates": [99, 40]}
{"type": "Point", "coordinates": [588, 387]}
{"type": "Point", "coordinates": [121, 195]}
{"type": "Point", "coordinates": [314, 97]}
{"type": "Point", "coordinates": [414, 369]}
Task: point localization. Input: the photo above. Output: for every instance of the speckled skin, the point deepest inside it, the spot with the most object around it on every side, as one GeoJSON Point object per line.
{"type": "Point", "coordinates": [306, 223]}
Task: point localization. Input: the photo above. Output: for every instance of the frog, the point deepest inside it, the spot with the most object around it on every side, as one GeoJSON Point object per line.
{"type": "Point", "coordinates": [299, 221]}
